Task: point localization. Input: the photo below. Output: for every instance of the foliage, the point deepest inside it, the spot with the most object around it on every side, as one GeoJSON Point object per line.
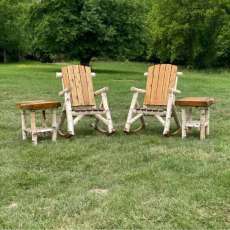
{"type": "Point", "coordinates": [186, 31]}
{"type": "Point", "coordinates": [88, 28]}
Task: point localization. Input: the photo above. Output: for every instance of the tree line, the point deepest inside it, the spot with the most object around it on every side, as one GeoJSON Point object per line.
{"type": "Point", "coordinates": [194, 33]}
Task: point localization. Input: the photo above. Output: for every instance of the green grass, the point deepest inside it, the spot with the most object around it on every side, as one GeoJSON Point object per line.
{"type": "Point", "coordinates": [152, 182]}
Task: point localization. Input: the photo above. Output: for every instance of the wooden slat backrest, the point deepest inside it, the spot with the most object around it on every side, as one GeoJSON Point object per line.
{"type": "Point", "coordinates": [78, 79]}
{"type": "Point", "coordinates": [161, 79]}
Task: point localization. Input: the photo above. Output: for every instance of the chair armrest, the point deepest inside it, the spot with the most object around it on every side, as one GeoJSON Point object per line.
{"type": "Point", "coordinates": [93, 74]}
{"type": "Point", "coordinates": [179, 73]}
{"type": "Point", "coordinates": [136, 90]}
{"type": "Point", "coordinates": [100, 91]}
{"type": "Point", "coordinates": [61, 93]}
{"type": "Point", "coordinates": [174, 91]}
{"type": "Point", "coordinates": [58, 75]}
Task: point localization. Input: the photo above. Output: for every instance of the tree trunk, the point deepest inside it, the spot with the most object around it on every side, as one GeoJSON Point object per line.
{"type": "Point", "coordinates": [4, 56]}
{"type": "Point", "coordinates": [85, 61]}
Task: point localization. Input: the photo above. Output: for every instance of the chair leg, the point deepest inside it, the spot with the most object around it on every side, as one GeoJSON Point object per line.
{"type": "Point", "coordinates": [108, 113]}
{"type": "Point", "coordinates": [33, 128]}
{"type": "Point", "coordinates": [23, 121]}
{"type": "Point", "coordinates": [130, 114]}
{"type": "Point", "coordinates": [168, 115]}
{"type": "Point", "coordinates": [54, 125]}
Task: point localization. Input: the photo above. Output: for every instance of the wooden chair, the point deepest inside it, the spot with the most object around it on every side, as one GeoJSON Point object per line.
{"type": "Point", "coordinates": [79, 100]}
{"type": "Point", "coordinates": [159, 98]}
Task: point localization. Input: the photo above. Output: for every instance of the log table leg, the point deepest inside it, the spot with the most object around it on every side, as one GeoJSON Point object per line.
{"type": "Point", "coordinates": [54, 124]}
{"type": "Point", "coordinates": [184, 121]}
{"type": "Point", "coordinates": [33, 128]}
{"type": "Point", "coordinates": [23, 121]}
{"type": "Point", "coordinates": [202, 123]}
{"type": "Point", "coordinates": [207, 118]}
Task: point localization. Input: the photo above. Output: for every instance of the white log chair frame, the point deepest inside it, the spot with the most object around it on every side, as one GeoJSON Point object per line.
{"type": "Point", "coordinates": [159, 112]}
{"type": "Point", "coordinates": [74, 115]}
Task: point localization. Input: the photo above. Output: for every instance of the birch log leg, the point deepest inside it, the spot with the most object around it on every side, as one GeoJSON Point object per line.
{"type": "Point", "coordinates": [23, 120]}
{"type": "Point", "coordinates": [168, 115]}
{"type": "Point", "coordinates": [62, 120]}
{"type": "Point", "coordinates": [184, 120]}
{"type": "Point", "coordinates": [33, 128]}
{"type": "Point", "coordinates": [207, 118]}
{"type": "Point", "coordinates": [108, 114]}
{"type": "Point", "coordinates": [54, 124]}
{"type": "Point", "coordinates": [202, 124]}
{"type": "Point", "coordinates": [130, 114]}
{"type": "Point", "coordinates": [69, 115]}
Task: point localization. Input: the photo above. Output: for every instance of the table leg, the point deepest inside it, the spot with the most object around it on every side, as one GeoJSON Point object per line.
{"type": "Point", "coordinates": [23, 121]}
{"type": "Point", "coordinates": [33, 128]}
{"type": "Point", "coordinates": [54, 124]}
{"type": "Point", "coordinates": [207, 118]}
{"type": "Point", "coordinates": [184, 120]}
{"type": "Point", "coordinates": [202, 123]}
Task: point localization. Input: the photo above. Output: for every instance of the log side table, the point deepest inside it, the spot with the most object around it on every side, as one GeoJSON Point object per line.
{"type": "Point", "coordinates": [203, 104]}
{"type": "Point", "coordinates": [31, 107]}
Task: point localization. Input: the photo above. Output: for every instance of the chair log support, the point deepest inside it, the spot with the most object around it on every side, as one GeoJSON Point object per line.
{"type": "Point", "coordinates": [162, 114]}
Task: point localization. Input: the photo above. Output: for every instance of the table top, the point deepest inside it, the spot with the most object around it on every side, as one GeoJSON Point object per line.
{"type": "Point", "coordinates": [38, 105]}
{"type": "Point", "coordinates": [195, 101]}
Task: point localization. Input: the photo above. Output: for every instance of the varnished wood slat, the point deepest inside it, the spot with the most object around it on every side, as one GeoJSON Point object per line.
{"type": "Point", "coordinates": [78, 85]}
{"type": "Point", "coordinates": [155, 84]}
{"type": "Point", "coordinates": [173, 77]}
{"type": "Point", "coordinates": [149, 85]}
{"type": "Point", "coordinates": [158, 96]}
{"type": "Point", "coordinates": [165, 89]}
{"type": "Point", "coordinates": [161, 78]}
{"type": "Point", "coordinates": [195, 101]}
{"type": "Point", "coordinates": [66, 79]}
{"type": "Point", "coordinates": [90, 86]}
{"type": "Point", "coordinates": [72, 80]}
{"type": "Point", "coordinates": [38, 105]}
{"type": "Point", "coordinates": [84, 85]}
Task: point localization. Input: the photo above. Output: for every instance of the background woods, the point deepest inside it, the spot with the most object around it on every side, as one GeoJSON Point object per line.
{"type": "Point", "coordinates": [192, 33]}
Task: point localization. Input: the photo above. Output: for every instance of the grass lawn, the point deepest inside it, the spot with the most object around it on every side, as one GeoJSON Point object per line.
{"type": "Point", "coordinates": [149, 181]}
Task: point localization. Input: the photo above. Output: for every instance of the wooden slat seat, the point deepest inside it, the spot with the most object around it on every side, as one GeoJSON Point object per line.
{"type": "Point", "coordinates": [149, 110]}
{"type": "Point", "coordinates": [195, 101]}
{"type": "Point", "coordinates": [38, 105]}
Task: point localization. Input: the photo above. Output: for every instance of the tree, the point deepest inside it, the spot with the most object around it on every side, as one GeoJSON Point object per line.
{"type": "Point", "coordinates": [88, 28]}
{"type": "Point", "coordinates": [12, 33]}
{"type": "Point", "coordinates": [185, 31]}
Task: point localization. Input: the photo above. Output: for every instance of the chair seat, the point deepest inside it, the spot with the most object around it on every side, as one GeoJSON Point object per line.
{"type": "Point", "coordinates": [195, 101]}
{"type": "Point", "coordinates": [38, 105]}
{"type": "Point", "coordinates": [87, 110]}
{"type": "Point", "coordinates": [150, 110]}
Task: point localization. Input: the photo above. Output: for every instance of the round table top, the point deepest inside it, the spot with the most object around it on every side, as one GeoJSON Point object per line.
{"type": "Point", "coordinates": [38, 105]}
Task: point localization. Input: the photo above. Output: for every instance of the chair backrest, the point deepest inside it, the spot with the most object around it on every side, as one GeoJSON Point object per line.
{"type": "Point", "coordinates": [161, 79]}
{"type": "Point", "coordinates": [78, 79]}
